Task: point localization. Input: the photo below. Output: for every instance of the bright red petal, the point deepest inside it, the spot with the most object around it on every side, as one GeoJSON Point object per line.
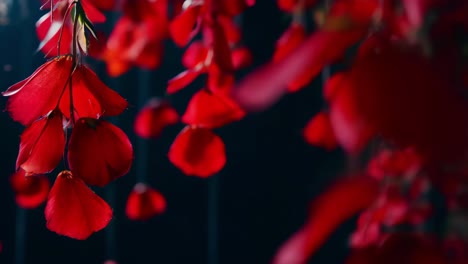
{"type": "Point", "coordinates": [325, 216]}
{"type": "Point", "coordinates": [48, 32]}
{"type": "Point", "coordinates": [30, 191]}
{"type": "Point", "coordinates": [38, 94]}
{"type": "Point", "coordinates": [93, 14]}
{"type": "Point", "coordinates": [154, 117]}
{"type": "Point", "coordinates": [290, 5]}
{"type": "Point", "coordinates": [241, 58]}
{"type": "Point", "coordinates": [198, 152]}
{"type": "Point", "coordinates": [194, 55]}
{"type": "Point", "coordinates": [211, 110]}
{"type": "Point", "coordinates": [144, 202]}
{"type": "Point", "coordinates": [182, 27]}
{"type": "Point", "coordinates": [42, 145]}
{"type": "Point", "coordinates": [99, 152]}
{"type": "Point", "coordinates": [74, 210]}
{"type": "Point", "coordinates": [182, 80]}
{"type": "Point", "coordinates": [319, 132]}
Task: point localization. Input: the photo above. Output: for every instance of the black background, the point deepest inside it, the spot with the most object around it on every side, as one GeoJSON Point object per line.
{"type": "Point", "coordinates": [261, 195]}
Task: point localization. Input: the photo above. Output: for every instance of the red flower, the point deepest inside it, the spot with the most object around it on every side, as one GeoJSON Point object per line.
{"type": "Point", "coordinates": [42, 145]}
{"type": "Point", "coordinates": [198, 152]}
{"type": "Point", "coordinates": [99, 152]}
{"type": "Point", "coordinates": [144, 202]}
{"type": "Point", "coordinates": [154, 117]}
{"type": "Point", "coordinates": [74, 210]}
{"type": "Point", "coordinates": [30, 191]}
{"type": "Point", "coordinates": [318, 132]}
{"type": "Point", "coordinates": [211, 110]}
{"type": "Point", "coordinates": [48, 88]}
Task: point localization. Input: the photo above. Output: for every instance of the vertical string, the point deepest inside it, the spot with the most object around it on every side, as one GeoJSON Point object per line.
{"type": "Point", "coordinates": [25, 50]}
{"type": "Point", "coordinates": [141, 166]}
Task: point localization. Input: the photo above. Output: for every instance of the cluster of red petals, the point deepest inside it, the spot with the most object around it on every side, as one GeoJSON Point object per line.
{"type": "Point", "coordinates": [144, 202]}
{"type": "Point", "coordinates": [74, 210]}
{"type": "Point", "coordinates": [55, 25]}
{"type": "Point", "coordinates": [137, 37]}
{"type": "Point", "coordinates": [30, 191]}
{"type": "Point", "coordinates": [154, 117]}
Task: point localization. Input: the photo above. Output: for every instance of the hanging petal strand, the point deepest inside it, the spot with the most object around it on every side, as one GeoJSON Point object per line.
{"type": "Point", "coordinates": [74, 210]}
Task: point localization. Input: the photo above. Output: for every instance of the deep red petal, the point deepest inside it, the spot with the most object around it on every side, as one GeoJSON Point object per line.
{"type": "Point", "coordinates": [30, 191]}
{"type": "Point", "coordinates": [74, 210]}
{"type": "Point", "coordinates": [99, 152]}
{"type": "Point", "coordinates": [319, 132]}
{"type": "Point", "coordinates": [182, 27]}
{"type": "Point", "coordinates": [332, 85]}
{"type": "Point", "coordinates": [93, 14]}
{"type": "Point", "coordinates": [234, 7]}
{"type": "Point", "coordinates": [290, 5]}
{"type": "Point", "coordinates": [194, 55]}
{"type": "Point", "coordinates": [144, 202]}
{"type": "Point", "coordinates": [241, 58]}
{"type": "Point", "coordinates": [325, 217]}
{"type": "Point", "coordinates": [290, 40]}
{"type": "Point", "coordinates": [42, 145]}
{"type": "Point", "coordinates": [198, 152]}
{"type": "Point", "coordinates": [154, 117]}
{"type": "Point", "coordinates": [211, 110]}
{"type": "Point", "coordinates": [182, 80]}
{"type": "Point", "coordinates": [230, 29]}
{"type": "Point", "coordinates": [215, 37]}
{"type": "Point", "coordinates": [38, 94]}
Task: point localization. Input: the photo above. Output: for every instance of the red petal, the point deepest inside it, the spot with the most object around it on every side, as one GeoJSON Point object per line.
{"type": "Point", "coordinates": [144, 202]}
{"type": "Point", "coordinates": [99, 152]}
{"type": "Point", "coordinates": [219, 81]}
{"type": "Point", "coordinates": [318, 132]}
{"type": "Point", "coordinates": [241, 58]}
{"type": "Point", "coordinates": [234, 7]}
{"type": "Point", "coordinates": [198, 152]}
{"type": "Point", "coordinates": [74, 210]}
{"type": "Point", "coordinates": [154, 117]}
{"type": "Point", "coordinates": [38, 94]}
{"type": "Point", "coordinates": [182, 80]}
{"type": "Point", "coordinates": [30, 191]}
{"type": "Point", "coordinates": [215, 37]}
{"type": "Point", "coordinates": [182, 27]}
{"type": "Point", "coordinates": [93, 14]}
{"type": "Point", "coordinates": [42, 145]}
{"type": "Point", "coordinates": [104, 4]}
{"type": "Point", "coordinates": [194, 55]}
{"type": "Point", "coordinates": [230, 29]}
{"type": "Point", "coordinates": [290, 5]}
{"type": "Point", "coordinates": [290, 40]}
{"type": "Point", "coordinates": [211, 110]}
{"type": "Point", "coordinates": [91, 97]}
{"type": "Point", "coordinates": [48, 32]}
{"type": "Point", "coordinates": [265, 86]}
{"type": "Point", "coordinates": [325, 217]}
{"type": "Point", "coordinates": [332, 85]}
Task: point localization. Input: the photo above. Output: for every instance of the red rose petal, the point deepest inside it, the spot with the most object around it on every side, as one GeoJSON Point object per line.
{"type": "Point", "coordinates": [194, 55]}
{"type": "Point", "coordinates": [144, 202]}
{"type": "Point", "coordinates": [319, 132]}
{"type": "Point", "coordinates": [182, 80]}
{"type": "Point", "coordinates": [182, 27]}
{"type": "Point", "coordinates": [211, 110]}
{"type": "Point", "coordinates": [42, 145]}
{"type": "Point", "coordinates": [99, 152]}
{"type": "Point", "coordinates": [198, 152]}
{"type": "Point", "coordinates": [154, 117]}
{"type": "Point", "coordinates": [30, 191]}
{"type": "Point", "coordinates": [74, 210]}
{"type": "Point", "coordinates": [290, 40]}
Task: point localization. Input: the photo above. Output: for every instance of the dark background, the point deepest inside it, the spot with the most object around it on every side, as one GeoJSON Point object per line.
{"type": "Point", "coordinates": [241, 215]}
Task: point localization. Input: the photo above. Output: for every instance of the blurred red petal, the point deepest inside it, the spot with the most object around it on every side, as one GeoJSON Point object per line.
{"type": "Point", "coordinates": [291, 5]}
{"type": "Point", "coordinates": [42, 145]}
{"type": "Point", "coordinates": [198, 152]}
{"type": "Point", "coordinates": [182, 27]}
{"type": "Point", "coordinates": [182, 80]}
{"type": "Point", "coordinates": [215, 37]}
{"type": "Point", "coordinates": [99, 152]}
{"type": "Point", "coordinates": [154, 117]}
{"type": "Point", "coordinates": [211, 110]}
{"type": "Point", "coordinates": [43, 87]}
{"type": "Point", "coordinates": [144, 202]}
{"type": "Point", "coordinates": [318, 132]}
{"type": "Point", "coordinates": [332, 85]}
{"type": "Point", "coordinates": [30, 191]}
{"type": "Point", "coordinates": [241, 58]}
{"type": "Point", "coordinates": [93, 14]}
{"type": "Point", "coordinates": [74, 210]}
{"type": "Point", "coordinates": [290, 40]}
{"type": "Point", "coordinates": [234, 7]}
{"type": "Point", "coordinates": [325, 217]}
{"type": "Point", "coordinates": [230, 29]}
{"type": "Point", "coordinates": [265, 86]}
{"type": "Point", "coordinates": [194, 55]}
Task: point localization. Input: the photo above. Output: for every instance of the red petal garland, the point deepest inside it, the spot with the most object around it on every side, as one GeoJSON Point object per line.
{"type": "Point", "coordinates": [144, 202]}
{"type": "Point", "coordinates": [74, 210]}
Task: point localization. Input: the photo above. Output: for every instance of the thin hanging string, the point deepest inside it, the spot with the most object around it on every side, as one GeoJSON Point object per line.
{"type": "Point", "coordinates": [25, 50]}
{"type": "Point", "coordinates": [111, 189]}
{"type": "Point", "coordinates": [141, 157]}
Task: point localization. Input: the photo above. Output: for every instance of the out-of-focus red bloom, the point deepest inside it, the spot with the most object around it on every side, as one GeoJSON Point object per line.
{"type": "Point", "coordinates": [99, 152]}
{"type": "Point", "coordinates": [48, 89]}
{"type": "Point", "coordinates": [154, 117]}
{"type": "Point", "coordinates": [325, 216]}
{"type": "Point", "coordinates": [198, 151]}
{"type": "Point", "coordinates": [137, 37]}
{"type": "Point", "coordinates": [42, 145]}
{"type": "Point", "coordinates": [293, 5]}
{"type": "Point", "coordinates": [396, 163]}
{"type": "Point", "coordinates": [30, 191]}
{"type": "Point", "coordinates": [318, 132]}
{"type": "Point", "coordinates": [144, 202]}
{"type": "Point", "coordinates": [74, 210]}
{"type": "Point", "coordinates": [211, 110]}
